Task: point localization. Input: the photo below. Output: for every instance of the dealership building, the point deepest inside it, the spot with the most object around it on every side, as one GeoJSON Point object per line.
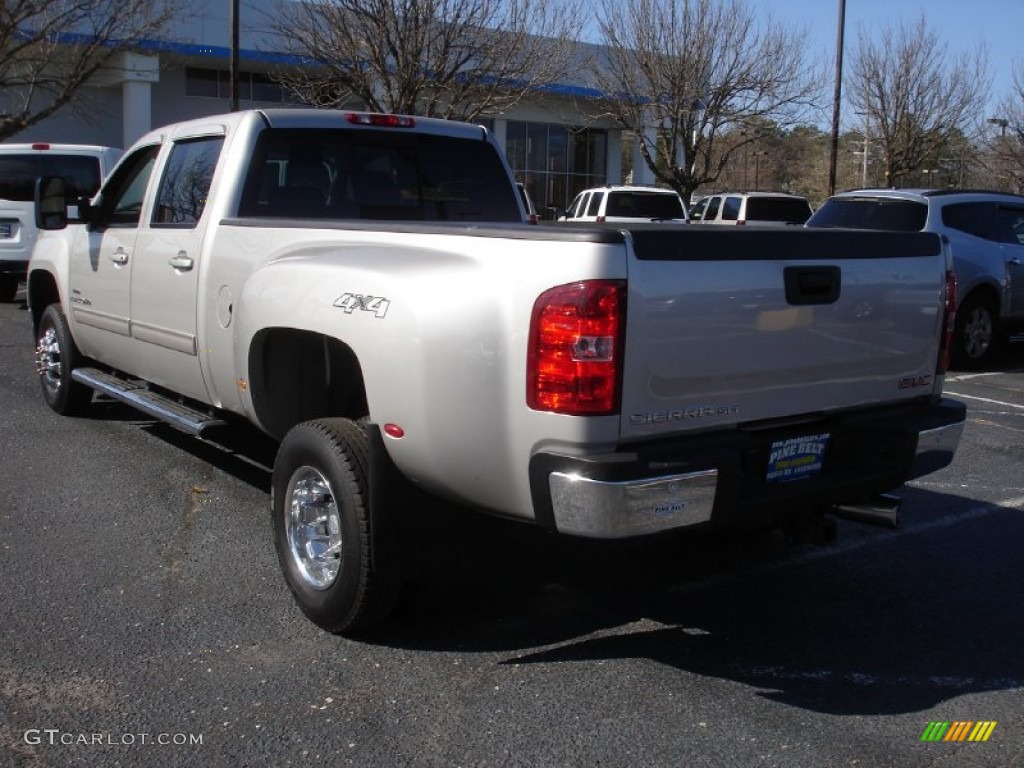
{"type": "Point", "coordinates": [551, 145]}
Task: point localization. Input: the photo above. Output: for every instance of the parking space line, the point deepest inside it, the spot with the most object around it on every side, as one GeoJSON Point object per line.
{"type": "Point", "coordinates": [985, 400]}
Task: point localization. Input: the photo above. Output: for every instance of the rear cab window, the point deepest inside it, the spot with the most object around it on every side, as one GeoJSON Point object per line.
{"type": "Point", "coordinates": [18, 174]}
{"type": "Point", "coordinates": [644, 205]}
{"type": "Point", "coordinates": [777, 209]}
{"type": "Point", "coordinates": [885, 214]}
{"type": "Point", "coordinates": [340, 174]}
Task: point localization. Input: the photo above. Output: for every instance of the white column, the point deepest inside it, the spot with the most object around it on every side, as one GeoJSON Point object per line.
{"type": "Point", "coordinates": [135, 73]}
{"type": "Point", "coordinates": [613, 158]}
{"type": "Point", "coordinates": [642, 175]}
{"type": "Point", "coordinates": [137, 110]}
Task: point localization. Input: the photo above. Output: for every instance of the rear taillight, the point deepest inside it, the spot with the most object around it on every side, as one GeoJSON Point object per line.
{"type": "Point", "coordinates": [40, 145]}
{"type": "Point", "coordinates": [948, 324]}
{"type": "Point", "coordinates": [574, 363]}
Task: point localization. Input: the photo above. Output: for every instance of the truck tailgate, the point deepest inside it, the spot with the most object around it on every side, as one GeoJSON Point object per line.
{"type": "Point", "coordinates": [730, 327]}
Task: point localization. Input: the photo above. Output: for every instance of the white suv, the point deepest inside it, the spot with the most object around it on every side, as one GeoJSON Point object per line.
{"type": "Point", "coordinates": [626, 205]}
{"type": "Point", "coordinates": [738, 208]}
{"type": "Point", "coordinates": [985, 231]}
{"type": "Point", "coordinates": [82, 167]}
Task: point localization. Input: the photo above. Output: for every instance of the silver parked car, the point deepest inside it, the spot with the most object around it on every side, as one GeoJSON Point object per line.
{"type": "Point", "coordinates": [985, 231]}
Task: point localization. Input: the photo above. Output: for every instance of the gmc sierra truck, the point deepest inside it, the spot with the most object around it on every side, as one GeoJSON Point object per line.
{"type": "Point", "coordinates": [367, 290]}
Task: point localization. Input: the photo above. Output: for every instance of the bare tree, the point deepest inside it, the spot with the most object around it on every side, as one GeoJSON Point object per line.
{"type": "Point", "coordinates": [442, 58]}
{"type": "Point", "coordinates": [1005, 142]}
{"type": "Point", "coordinates": [916, 97]}
{"type": "Point", "coordinates": [678, 73]}
{"type": "Point", "coordinates": [50, 48]}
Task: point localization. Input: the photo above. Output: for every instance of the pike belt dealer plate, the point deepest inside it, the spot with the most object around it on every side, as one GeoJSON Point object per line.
{"type": "Point", "coordinates": [796, 458]}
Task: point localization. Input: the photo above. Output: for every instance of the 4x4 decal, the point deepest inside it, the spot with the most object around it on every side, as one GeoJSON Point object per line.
{"type": "Point", "coordinates": [352, 301]}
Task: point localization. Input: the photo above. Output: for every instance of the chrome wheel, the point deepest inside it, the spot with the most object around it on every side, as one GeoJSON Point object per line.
{"type": "Point", "coordinates": [48, 361]}
{"type": "Point", "coordinates": [977, 334]}
{"type": "Point", "coordinates": [313, 527]}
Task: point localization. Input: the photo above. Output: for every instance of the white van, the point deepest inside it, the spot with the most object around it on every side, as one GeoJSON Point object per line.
{"type": "Point", "coordinates": [626, 204]}
{"type": "Point", "coordinates": [738, 208]}
{"type": "Point", "coordinates": [82, 167]}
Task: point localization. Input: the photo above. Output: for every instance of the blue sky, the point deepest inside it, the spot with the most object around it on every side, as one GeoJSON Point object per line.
{"type": "Point", "coordinates": [999, 24]}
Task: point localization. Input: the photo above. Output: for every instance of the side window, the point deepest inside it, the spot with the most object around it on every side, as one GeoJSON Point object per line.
{"type": "Point", "coordinates": [1011, 226]}
{"type": "Point", "coordinates": [121, 202]}
{"type": "Point", "coordinates": [973, 218]}
{"type": "Point", "coordinates": [595, 203]}
{"type": "Point", "coordinates": [698, 210]}
{"type": "Point", "coordinates": [185, 185]}
{"type": "Point", "coordinates": [731, 209]}
{"type": "Point", "coordinates": [570, 213]}
{"type": "Point", "coordinates": [712, 211]}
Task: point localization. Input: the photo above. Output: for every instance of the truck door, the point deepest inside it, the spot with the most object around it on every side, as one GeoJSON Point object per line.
{"type": "Point", "coordinates": [1010, 229]}
{"type": "Point", "coordinates": [101, 264]}
{"type": "Point", "coordinates": [164, 281]}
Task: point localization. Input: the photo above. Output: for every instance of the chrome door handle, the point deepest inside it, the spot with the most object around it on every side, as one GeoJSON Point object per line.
{"type": "Point", "coordinates": [119, 257]}
{"type": "Point", "coordinates": [1015, 262]}
{"type": "Point", "coordinates": [181, 261]}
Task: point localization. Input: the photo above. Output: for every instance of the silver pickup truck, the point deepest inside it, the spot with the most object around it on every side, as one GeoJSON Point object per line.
{"type": "Point", "coordinates": [365, 289]}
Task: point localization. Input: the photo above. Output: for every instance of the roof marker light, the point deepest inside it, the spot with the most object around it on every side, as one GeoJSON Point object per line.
{"type": "Point", "coordinates": [380, 121]}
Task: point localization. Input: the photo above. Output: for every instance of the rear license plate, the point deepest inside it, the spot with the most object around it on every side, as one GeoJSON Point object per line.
{"type": "Point", "coordinates": [796, 458]}
{"type": "Point", "coordinates": [5, 230]}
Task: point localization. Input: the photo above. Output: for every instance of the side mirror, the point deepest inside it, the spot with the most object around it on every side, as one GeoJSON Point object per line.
{"type": "Point", "coordinates": [85, 212]}
{"type": "Point", "coordinates": [51, 203]}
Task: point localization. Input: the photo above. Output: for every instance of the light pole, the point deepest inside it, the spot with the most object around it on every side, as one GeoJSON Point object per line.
{"type": "Point", "coordinates": [836, 99]}
{"type": "Point", "coordinates": [233, 24]}
{"type": "Point", "coordinates": [1002, 122]}
{"type": "Point", "coordinates": [757, 169]}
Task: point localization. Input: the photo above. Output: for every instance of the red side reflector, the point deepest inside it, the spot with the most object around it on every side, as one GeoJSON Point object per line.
{"type": "Point", "coordinates": [393, 430]}
{"type": "Point", "coordinates": [949, 324]}
{"type": "Point", "coordinates": [380, 121]}
{"type": "Point", "coordinates": [574, 362]}
{"type": "Point", "coordinates": [40, 146]}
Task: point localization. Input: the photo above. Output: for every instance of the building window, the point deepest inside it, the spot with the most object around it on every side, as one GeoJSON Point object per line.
{"type": "Point", "coordinates": [555, 162]}
{"type": "Point", "coordinates": [215, 84]}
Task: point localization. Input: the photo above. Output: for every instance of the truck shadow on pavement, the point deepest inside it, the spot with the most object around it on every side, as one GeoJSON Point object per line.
{"type": "Point", "coordinates": [878, 623]}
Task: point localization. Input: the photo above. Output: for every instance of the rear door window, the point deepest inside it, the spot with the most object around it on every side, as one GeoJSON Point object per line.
{"type": "Point", "coordinates": [185, 185]}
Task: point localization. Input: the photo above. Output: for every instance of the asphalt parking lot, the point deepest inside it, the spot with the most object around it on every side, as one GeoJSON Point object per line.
{"type": "Point", "coordinates": [144, 621]}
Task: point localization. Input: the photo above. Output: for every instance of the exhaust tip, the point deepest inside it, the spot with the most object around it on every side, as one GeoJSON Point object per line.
{"type": "Point", "coordinates": [882, 511]}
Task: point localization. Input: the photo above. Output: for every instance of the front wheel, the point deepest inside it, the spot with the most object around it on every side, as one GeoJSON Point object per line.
{"type": "Point", "coordinates": [56, 357]}
{"type": "Point", "coordinates": [322, 526]}
{"type": "Point", "coordinates": [974, 339]}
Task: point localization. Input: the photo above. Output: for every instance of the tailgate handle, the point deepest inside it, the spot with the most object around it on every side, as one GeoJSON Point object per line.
{"type": "Point", "coordinates": [812, 285]}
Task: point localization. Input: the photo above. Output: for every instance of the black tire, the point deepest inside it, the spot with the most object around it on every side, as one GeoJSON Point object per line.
{"type": "Point", "coordinates": [323, 464]}
{"type": "Point", "coordinates": [974, 337]}
{"type": "Point", "coordinates": [56, 357]}
{"type": "Point", "coordinates": [8, 287]}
